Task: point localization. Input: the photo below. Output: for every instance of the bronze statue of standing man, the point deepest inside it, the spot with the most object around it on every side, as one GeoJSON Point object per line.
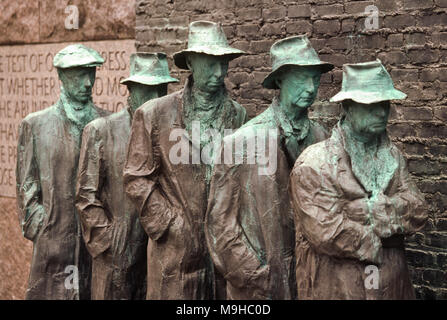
{"type": "Point", "coordinates": [110, 223]}
{"type": "Point", "coordinates": [47, 164]}
{"type": "Point", "coordinates": [249, 223]}
{"type": "Point", "coordinates": [354, 200]}
{"type": "Point", "coordinates": [170, 195]}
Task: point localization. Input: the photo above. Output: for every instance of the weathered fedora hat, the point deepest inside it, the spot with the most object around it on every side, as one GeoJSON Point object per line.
{"type": "Point", "coordinates": [367, 82]}
{"type": "Point", "coordinates": [293, 51]}
{"type": "Point", "coordinates": [77, 55]}
{"type": "Point", "coordinates": [149, 69]}
{"type": "Point", "coordinates": [209, 38]}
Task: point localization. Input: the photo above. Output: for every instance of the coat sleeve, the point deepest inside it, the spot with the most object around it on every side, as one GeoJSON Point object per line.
{"type": "Point", "coordinates": [141, 173]}
{"type": "Point", "coordinates": [29, 198]}
{"type": "Point", "coordinates": [326, 218]}
{"type": "Point", "coordinates": [95, 222]}
{"type": "Point", "coordinates": [405, 211]}
{"type": "Point", "coordinates": [229, 247]}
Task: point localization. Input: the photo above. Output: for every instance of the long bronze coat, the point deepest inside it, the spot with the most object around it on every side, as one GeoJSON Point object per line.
{"type": "Point", "coordinates": [249, 226]}
{"type": "Point", "coordinates": [335, 237]}
{"type": "Point", "coordinates": [172, 198]}
{"type": "Point", "coordinates": [47, 163]}
{"type": "Point", "coordinates": [109, 220]}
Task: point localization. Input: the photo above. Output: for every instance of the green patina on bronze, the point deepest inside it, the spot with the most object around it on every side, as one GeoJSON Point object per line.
{"type": "Point", "coordinates": [354, 200]}
{"type": "Point", "coordinates": [249, 225]}
{"type": "Point", "coordinates": [47, 163]}
{"type": "Point", "coordinates": [111, 227]}
{"type": "Point", "coordinates": [206, 101]}
{"type": "Point", "coordinates": [171, 198]}
{"type": "Point", "coordinates": [365, 94]}
{"type": "Point", "coordinates": [149, 78]}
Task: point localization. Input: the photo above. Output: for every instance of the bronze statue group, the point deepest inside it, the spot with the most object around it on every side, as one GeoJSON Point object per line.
{"type": "Point", "coordinates": [100, 192]}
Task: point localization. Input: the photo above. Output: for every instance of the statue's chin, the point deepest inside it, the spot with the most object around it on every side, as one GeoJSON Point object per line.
{"type": "Point", "coordinates": [79, 107]}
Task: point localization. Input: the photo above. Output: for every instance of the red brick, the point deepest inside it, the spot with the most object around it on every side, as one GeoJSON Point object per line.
{"type": "Point", "coordinates": [423, 56]}
{"type": "Point", "coordinates": [441, 3]}
{"type": "Point", "coordinates": [249, 14]}
{"type": "Point", "coordinates": [338, 43]}
{"type": "Point", "coordinates": [271, 29]}
{"type": "Point", "coordinates": [430, 75]}
{"type": "Point", "coordinates": [433, 20]}
{"type": "Point", "coordinates": [347, 25]}
{"type": "Point", "coordinates": [334, 58]}
{"type": "Point", "coordinates": [357, 7]}
{"type": "Point", "coordinates": [299, 11]}
{"type": "Point", "coordinates": [327, 27]}
{"type": "Point", "coordinates": [440, 113]}
{"type": "Point", "coordinates": [395, 40]}
{"type": "Point", "coordinates": [374, 41]}
{"type": "Point", "coordinates": [274, 13]}
{"type": "Point", "coordinates": [299, 27]}
{"type": "Point", "coordinates": [248, 31]}
{"type": "Point", "coordinates": [261, 46]}
{"type": "Point", "coordinates": [388, 5]}
{"type": "Point", "coordinates": [439, 38]}
{"type": "Point", "coordinates": [417, 4]}
{"type": "Point", "coordinates": [393, 57]}
{"type": "Point", "coordinates": [401, 130]}
{"type": "Point", "coordinates": [399, 21]}
{"type": "Point", "coordinates": [415, 39]}
{"type": "Point", "coordinates": [423, 167]}
{"type": "Point", "coordinates": [417, 113]}
{"type": "Point", "coordinates": [407, 75]}
{"type": "Point", "coordinates": [329, 10]}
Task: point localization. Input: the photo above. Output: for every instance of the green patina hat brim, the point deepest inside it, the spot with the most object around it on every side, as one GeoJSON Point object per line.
{"type": "Point", "coordinates": [79, 65]}
{"type": "Point", "coordinates": [269, 81]}
{"type": "Point", "coordinates": [231, 53]}
{"type": "Point", "coordinates": [368, 97]}
{"type": "Point", "coordinates": [149, 80]}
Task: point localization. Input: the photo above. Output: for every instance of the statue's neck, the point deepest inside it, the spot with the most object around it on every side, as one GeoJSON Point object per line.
{"type": "Point", "coordinates": [205, 100]}
{"type": "Point", "coordinates": [133, 105]}
{"type": "Point", "coordinates": [79, 112]}
{"type": "Point", "coordinates": [294, 115]}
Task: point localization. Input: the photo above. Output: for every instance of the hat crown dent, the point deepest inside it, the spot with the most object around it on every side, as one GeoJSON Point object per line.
{"type": "Point", "coordinates": [296, 50]}
{"type": "Point", "coordinates": [149, 63]}
{"type": "Point", "coordinates": [206, 37]}
{"type": "Point", "coordinates": [149, 68]}
{"type": "Point", "coordinates": [293, 51]}
{"type": "Point", "coordinates": [366, 76]}
{"type": "Point", "coordinates": [367, 82]}
{"type": "Point", "coordinates": [206, 33]}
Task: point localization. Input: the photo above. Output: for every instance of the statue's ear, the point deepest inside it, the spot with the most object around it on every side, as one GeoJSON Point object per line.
{"type": "Point", "coordinates": [278, 82]}
{"type": "Point", "coordinates": [188, 61]}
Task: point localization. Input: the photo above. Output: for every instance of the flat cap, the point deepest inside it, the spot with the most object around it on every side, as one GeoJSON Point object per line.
{"type": "Point", "coordinates": [77, 55]}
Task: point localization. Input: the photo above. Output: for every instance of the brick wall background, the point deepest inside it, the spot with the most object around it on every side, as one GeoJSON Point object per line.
{"type": "Point", "coordinates": [412, 43]}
